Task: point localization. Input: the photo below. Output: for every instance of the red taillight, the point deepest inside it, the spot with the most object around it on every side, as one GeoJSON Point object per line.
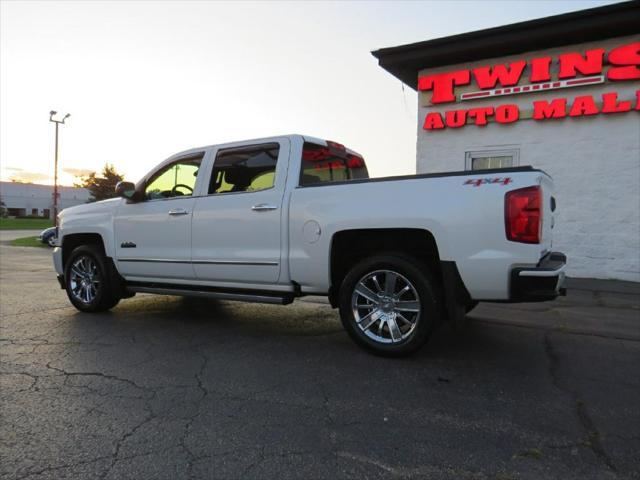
{"type": "Point", "coordinates": [522, 214]}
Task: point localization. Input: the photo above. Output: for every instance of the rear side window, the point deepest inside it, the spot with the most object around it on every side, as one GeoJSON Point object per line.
{"type": "Point", "coordinates": [332, 163]}
{"type": "Point", "coordinates": [245, 169]}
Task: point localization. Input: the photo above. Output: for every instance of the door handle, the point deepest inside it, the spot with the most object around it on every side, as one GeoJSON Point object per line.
{"type": "Point", "coordinates": [178, 211]}
{"type": "Point", "coordinates": [262, 207]}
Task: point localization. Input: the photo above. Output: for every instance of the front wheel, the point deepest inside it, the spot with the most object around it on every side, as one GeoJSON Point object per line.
{"type": "Point", "coordinates": [389, 304]}
{"type": "Point", "coordinates": [87, 281]}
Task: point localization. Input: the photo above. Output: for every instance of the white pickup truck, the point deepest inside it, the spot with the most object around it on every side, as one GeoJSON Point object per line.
{"type": "Point", "coordinates": [273, 219]}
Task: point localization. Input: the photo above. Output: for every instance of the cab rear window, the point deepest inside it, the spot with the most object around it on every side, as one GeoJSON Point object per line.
{"type": "Point", "coordinates": [328, 164]}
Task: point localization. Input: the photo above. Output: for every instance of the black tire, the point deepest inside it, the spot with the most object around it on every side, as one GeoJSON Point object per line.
{"type": "Point", "coordinates": [424, 287]}
{"type": "Point", "coordinates": [101, 296]}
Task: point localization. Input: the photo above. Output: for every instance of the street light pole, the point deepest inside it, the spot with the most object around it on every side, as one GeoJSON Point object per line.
{"type": "Point", "coordinates": [55, 168]}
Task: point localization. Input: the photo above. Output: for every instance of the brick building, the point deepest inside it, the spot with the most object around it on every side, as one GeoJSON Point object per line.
{"type": "Point", "coordinates": [560, 93]}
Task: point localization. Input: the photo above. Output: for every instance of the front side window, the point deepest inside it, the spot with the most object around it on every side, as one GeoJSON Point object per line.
{"type": "Point", "coordinates": [177, 179]}
{"type": "Point", "coordinates": [491, 159]}
{"type": "Point", "coordinates": [322, 164]}
{"type": "Point", "coordinates": [244, 169]}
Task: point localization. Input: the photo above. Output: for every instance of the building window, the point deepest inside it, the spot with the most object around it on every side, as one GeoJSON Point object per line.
{"type": "Point", "coordinates": [34, 212]}
{"type": "Point", "coordinates": [485, 159]}
{"type": "Point", "coordinates": [16, 212]}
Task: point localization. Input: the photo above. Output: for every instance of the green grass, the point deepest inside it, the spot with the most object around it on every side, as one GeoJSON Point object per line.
{"type": "Point", "coordinates": [25, 223]}
{"type": "Point", "coordinates": [28, 242]}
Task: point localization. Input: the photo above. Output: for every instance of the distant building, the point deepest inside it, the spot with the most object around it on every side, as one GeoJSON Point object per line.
{"type": "Point", "coordinates": [37, 200]}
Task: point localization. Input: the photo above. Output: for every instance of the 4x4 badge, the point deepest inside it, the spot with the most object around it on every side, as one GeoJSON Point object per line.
{"type": "Point", "coordinates": [476, 182]}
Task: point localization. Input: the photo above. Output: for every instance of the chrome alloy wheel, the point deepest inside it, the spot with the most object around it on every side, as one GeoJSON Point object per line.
{"type": "Point", "coordinates": [84, 279]}
{"type": "Point", "coordinates": [386, 306]}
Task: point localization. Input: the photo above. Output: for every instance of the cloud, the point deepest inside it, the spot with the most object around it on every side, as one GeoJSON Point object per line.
{"type": "Point", "coordinates": [28, 177]}
{"type": "Point", "coordinates": [78, 172]}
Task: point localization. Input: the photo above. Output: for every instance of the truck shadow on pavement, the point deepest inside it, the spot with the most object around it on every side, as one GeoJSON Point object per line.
{"type": "Point", "coordinates": [175, 317]}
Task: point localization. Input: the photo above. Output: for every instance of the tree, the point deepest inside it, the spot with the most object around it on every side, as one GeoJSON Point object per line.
{"type": "Point", "coordinates": [103, 186]}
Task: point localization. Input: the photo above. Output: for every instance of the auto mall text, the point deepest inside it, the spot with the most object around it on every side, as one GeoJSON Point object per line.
{"type": "Point", "coordinates": [595, 66]}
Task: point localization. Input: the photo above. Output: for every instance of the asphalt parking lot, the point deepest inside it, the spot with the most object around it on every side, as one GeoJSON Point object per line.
{"type": "Point", "coordinates": [163, 387]}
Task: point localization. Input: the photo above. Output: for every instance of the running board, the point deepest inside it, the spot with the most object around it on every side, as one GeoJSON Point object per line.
{"type": "Point", "coordinates": [190, 292]}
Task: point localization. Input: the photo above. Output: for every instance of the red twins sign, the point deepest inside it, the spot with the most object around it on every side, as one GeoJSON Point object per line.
{"type": "Point", "coordinates": [594, 66]}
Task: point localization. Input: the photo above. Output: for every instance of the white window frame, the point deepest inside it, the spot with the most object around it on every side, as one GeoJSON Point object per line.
{"type": "Point", "coordinates": [514, 153]}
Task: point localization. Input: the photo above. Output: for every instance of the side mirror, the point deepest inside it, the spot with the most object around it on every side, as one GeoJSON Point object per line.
{"type": "Point", "coordinates": [127, 190]}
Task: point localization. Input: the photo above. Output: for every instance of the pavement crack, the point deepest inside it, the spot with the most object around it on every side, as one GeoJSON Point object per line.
{"type": "Point", "coordinates": [60, 467]}
{"type": "Point", "coordinates": [198, 375]}
{"type": "Point", "coordinates": [261, 458]}
{"type": "Point", "coordinates": [95, 374]}
{"type": "Point", "coordinates": [116, 453]}
{"type": "Point", "coordinates": [593, 435]}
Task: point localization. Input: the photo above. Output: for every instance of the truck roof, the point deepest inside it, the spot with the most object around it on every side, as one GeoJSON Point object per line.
{"type": "Point", "coordinates": [303, 138]}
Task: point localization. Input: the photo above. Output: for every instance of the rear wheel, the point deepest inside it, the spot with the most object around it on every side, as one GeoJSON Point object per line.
{"type": "Point", "coordinates": [389, 304]}
{"type": "Point", "coordinates": [87, 281]}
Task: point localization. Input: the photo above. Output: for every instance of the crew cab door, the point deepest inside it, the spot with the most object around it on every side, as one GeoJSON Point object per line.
{"type": "Point", "coordinates": [153, 236]}
{"type": "Point", "coordinates": [236, 229]}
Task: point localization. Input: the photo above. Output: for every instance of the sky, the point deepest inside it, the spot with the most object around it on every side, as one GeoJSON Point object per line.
{"type": "Point", "coordinates": [144, 80]}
